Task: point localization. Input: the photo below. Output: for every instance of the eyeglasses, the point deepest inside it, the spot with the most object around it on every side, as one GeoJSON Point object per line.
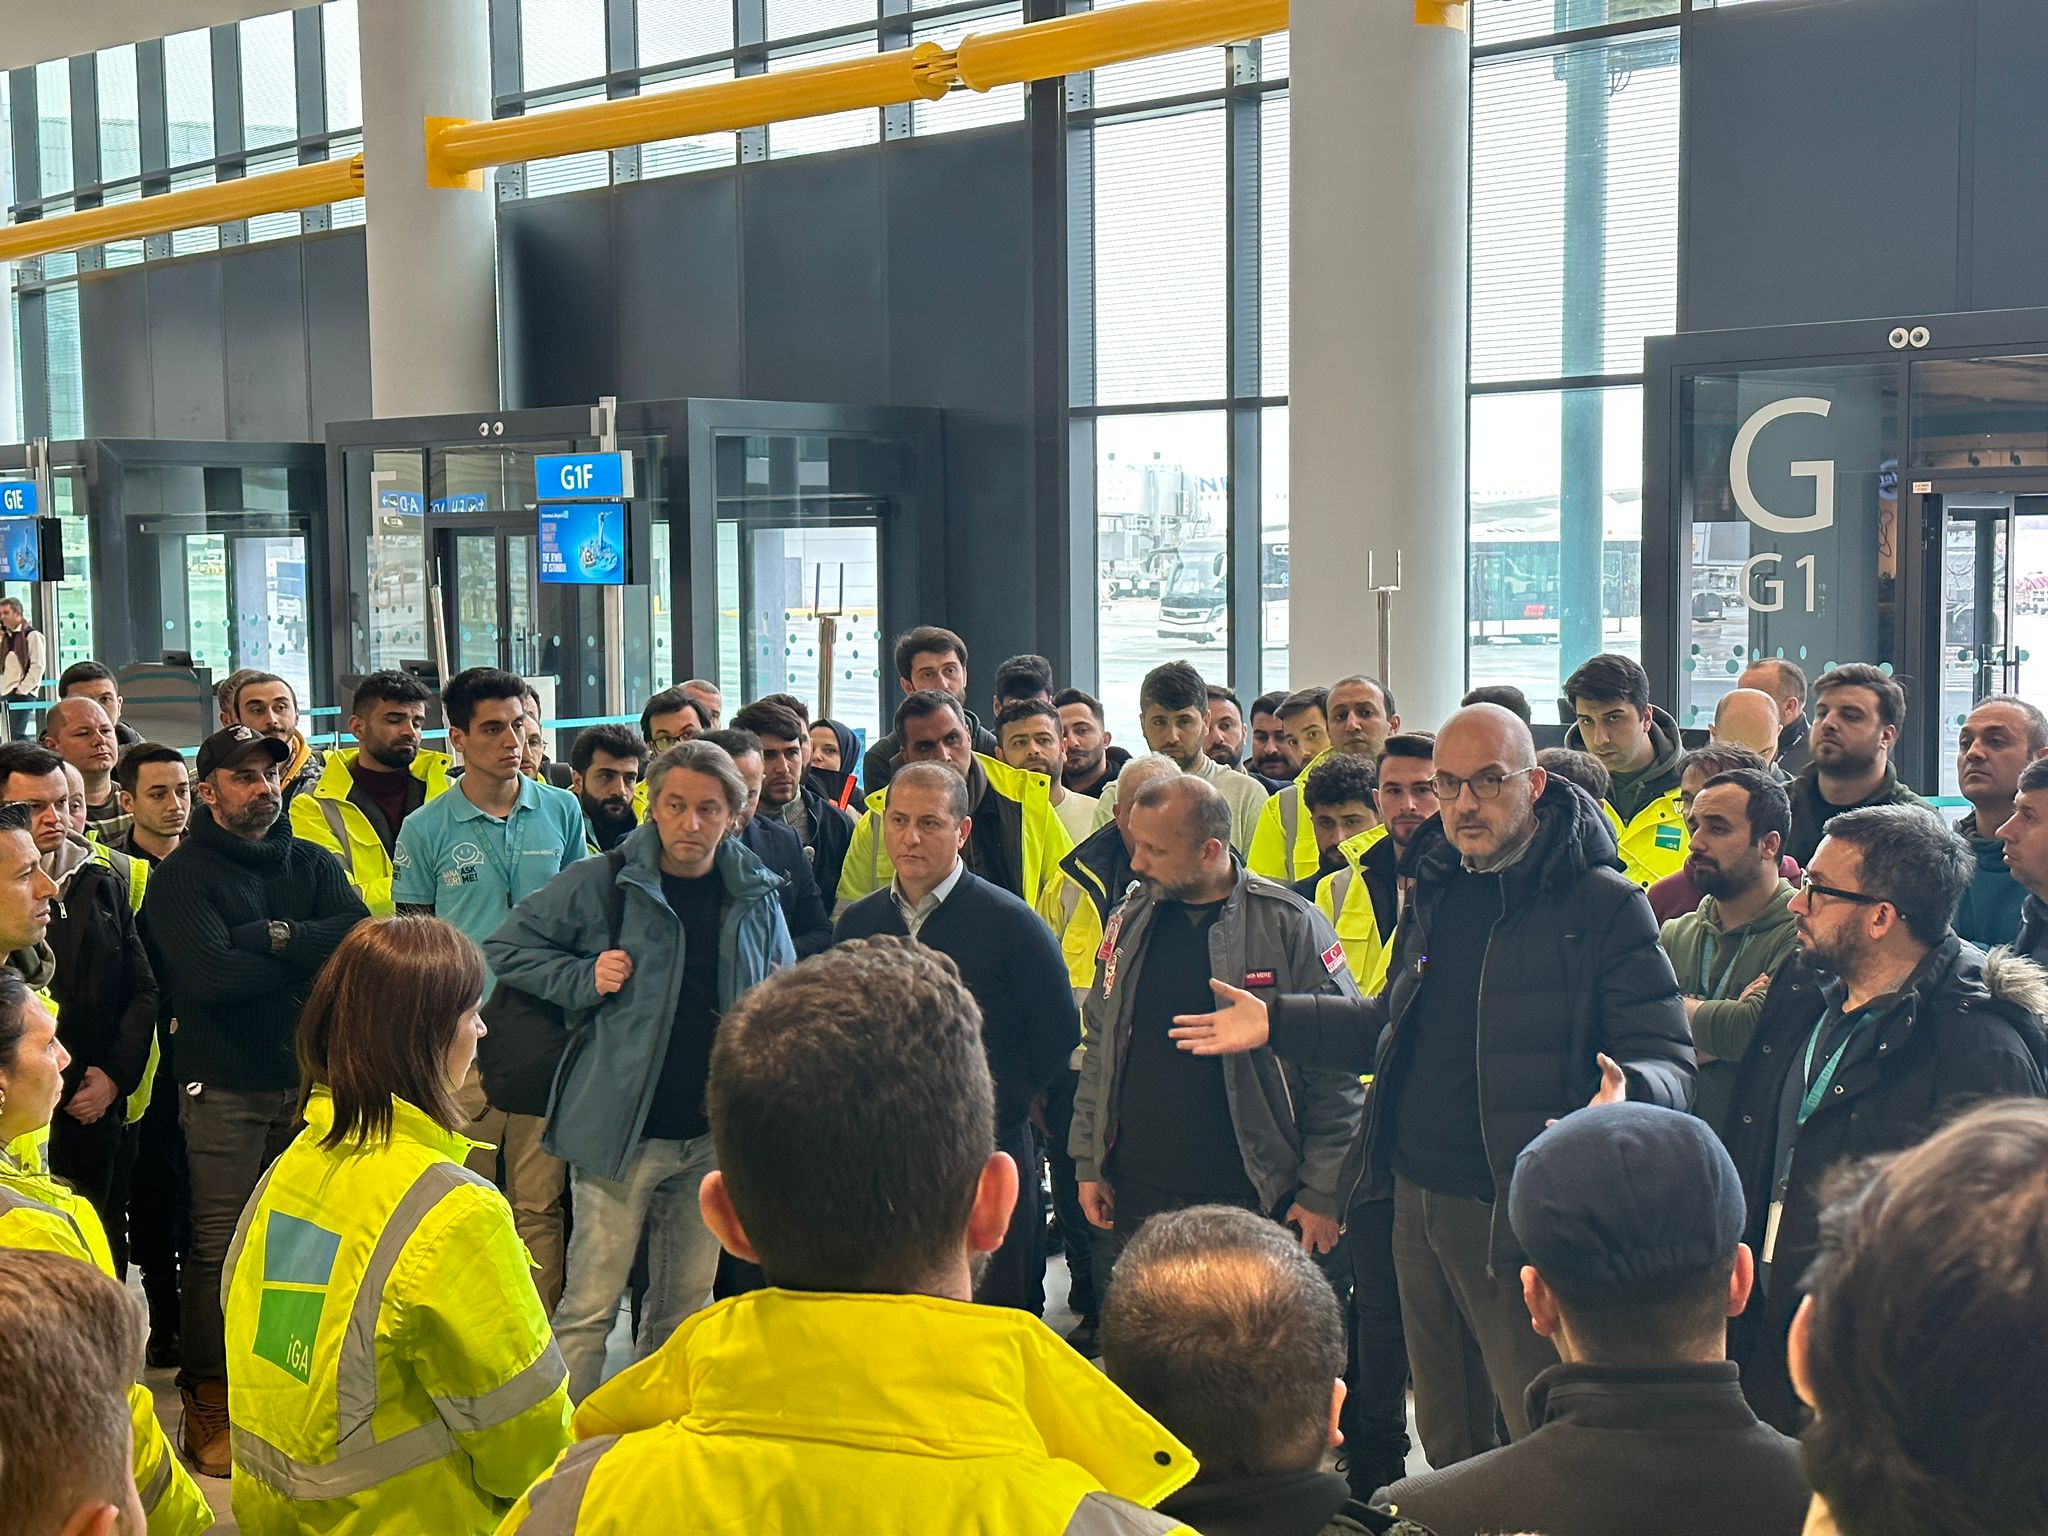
{"type": "Point", "coordinates": [1812, 887]}
{"type": "Point", "coordinates": [1484, 786]}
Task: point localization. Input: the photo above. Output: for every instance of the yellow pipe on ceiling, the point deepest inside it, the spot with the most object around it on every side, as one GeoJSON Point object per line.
{"type": "Point", "coordinates": [457, 150]}
{"type": "Point", "coordinates": [245, 197]}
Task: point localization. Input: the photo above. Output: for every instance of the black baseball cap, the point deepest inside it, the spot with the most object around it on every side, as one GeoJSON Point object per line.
{"type": "Point", "coordinates": [234, 746]}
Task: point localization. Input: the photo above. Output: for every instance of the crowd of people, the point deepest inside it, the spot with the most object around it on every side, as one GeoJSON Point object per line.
{"type": "Point", "coordinates": [1636, 1105]}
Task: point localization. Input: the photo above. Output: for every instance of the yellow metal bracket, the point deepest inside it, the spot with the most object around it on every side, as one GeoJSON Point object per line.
{"type": "Point", "coordinates": [437, 176]}
{"type": "Point", "coordinates": [1456, 14]}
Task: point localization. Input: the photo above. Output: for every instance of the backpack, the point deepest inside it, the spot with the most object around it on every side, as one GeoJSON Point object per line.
{"type": "Point", "coordinates": [526, 1035]}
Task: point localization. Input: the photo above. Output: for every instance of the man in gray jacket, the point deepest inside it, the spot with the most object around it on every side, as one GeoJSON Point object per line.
{"type": "Point", "coordinates": [1157, 1129]}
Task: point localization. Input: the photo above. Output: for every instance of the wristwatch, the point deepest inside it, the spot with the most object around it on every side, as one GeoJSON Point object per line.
{"type": "Point", "coordinates": [280, 935]}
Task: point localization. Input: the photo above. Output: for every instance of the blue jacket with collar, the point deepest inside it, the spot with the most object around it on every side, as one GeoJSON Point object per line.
{"type": "Point", "coordinates": [549, 947]}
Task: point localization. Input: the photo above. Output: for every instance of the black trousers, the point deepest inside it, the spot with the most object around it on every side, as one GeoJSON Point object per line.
{"type": "Point", "coordinates": [1015, 1276]}
{"type": "Point", "coordinates": [88, 1158]}
{"type": "Point", "coordinates": [159, 1204]}
{"type": "Point", "coordinates": [231, 1136]}
{"type": "Point", "coordinates": [1078, 1236]}
{"type": "Point", "coordinates": [1375, 1414]}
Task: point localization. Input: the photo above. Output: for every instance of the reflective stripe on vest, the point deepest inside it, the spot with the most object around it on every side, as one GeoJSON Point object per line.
{"type": "Point", "coordinates": [1103, 1514]}
{"type": "Point", "coordinates": [331, 810]}
{"type": "Point", "coordinates": [15, 1200]}
{"type": "Point", "coordinates": [1340, 887]}
{"type": "Point", "coordinates": [556, 1501]}
{"type": "Point", "coordinates": [159, 1483]}
{"type": "Point", "coordinates": [361, 1459]}
{"type": "Point", "coordinates": [1290, 823]}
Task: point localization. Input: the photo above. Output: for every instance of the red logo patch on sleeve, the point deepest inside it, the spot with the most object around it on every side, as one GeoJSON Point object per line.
{"type": "Point", "coordinates": [1333, 958]}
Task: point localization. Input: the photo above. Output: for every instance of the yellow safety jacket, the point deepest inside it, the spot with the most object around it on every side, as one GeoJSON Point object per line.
{"type": "Point", "coordinates": [389, 1364]}
{"type": "Point", "coordinates": [882, 1415]}
{"type": "Point", "coordinates": [38, 1213]}
{"type": "Point", "coordinates": [1345, 898]}
{"type": "Point", "coordinates": [1285, 824]}
{"type": "Point", "coordinates": [1046, 841]}
{"type": "Point", "coordinates": [1655, 843]}
{"type": "Point", "coordinates": [326, 816]}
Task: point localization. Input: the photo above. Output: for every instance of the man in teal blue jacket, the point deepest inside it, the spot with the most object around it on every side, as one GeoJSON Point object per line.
{"type": "Point", "coordinates": [699, 923]}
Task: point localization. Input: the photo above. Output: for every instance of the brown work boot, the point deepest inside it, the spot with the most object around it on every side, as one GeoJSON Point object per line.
{"type": "Point", "coordinates": [206, 1428]}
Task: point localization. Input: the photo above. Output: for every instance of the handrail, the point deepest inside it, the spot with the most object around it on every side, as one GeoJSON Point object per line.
{"type": "Point", "coordinates": [245, 197]}
{"type": "Point", "coordinates": [457, 151]}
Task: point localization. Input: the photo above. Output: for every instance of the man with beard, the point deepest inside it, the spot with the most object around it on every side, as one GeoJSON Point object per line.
{"type": "Point", "coordinates": [1029, 734]}
{"type": "Point", "coordinates": [1355, 719]}
{"type": "Point", "coordinates": [266, 704]}
{"type": "Point", "coordinates": [1173, 709]}
{"type": "Point", "coordinates": [1362, 898]}
{"type": "Point", "coordinates": [1999, 738]}
{"type": "Point", "coordinates": [363, 796]}
{"type": "Point", "coordinates": [1639, 746]}
{"type": "Point", "coordinates": [1226, 727]}
{"type": "Point", "coordinates": [237, 923]}
{"type": "Point", "coordinates": [1157, 1129]}
{"type": "Point", "coordinates": [776, 845]}
{"type": "Point", "coordinates": [786, 792]}
{"type": "Point", "coordinates": [605, 767]}
{"type": "Point", "coordinates": [1880, 1028]}
{"type": "Point", "coordinates": [1092, 762]}
{"type": "Point", "coordinates": [1741, 929]}
{"type": "Point", "coordinates": [1271, 760]}
{"type": "Point", "coordinates": [1858, 713]}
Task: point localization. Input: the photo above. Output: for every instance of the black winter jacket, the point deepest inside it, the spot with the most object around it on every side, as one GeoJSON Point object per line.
{"type": "Point", "coordinates": [104, 987]}
{"type": "Point", "coordinates": [1969, 1028]}
{"type": "Point", "coordinates": [206, 909]}
{"type": "Point", "coordinates": [831, 832]}
{"type": "Point", "coordinates": [775, 843]}
{"type": "Point", "coordinates": [2032, 941]}
{"type": "Point", "coordinates": [1573, 970]}
{"type": "Point", "coordinates": [1811, 811]}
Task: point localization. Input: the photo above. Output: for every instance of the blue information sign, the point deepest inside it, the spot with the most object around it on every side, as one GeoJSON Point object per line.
{"type": "Point", "coordinates": [21, 549]}
{"type": "Point", "coordinates": [402, 503]}
{"type": "Point", "coordinates": [582, 477]}
{"type": "Point", "coordinates": [463, 505]}
{"type": "Point", "coordinates": [18, 498]}
{"type": "Point", "coordinates": [583, 544]}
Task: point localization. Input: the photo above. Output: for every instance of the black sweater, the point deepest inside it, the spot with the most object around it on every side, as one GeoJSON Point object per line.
{"type": "Point", "coordinates": [237, 1004]}
{"type": "Point", "coordinates": [1013, 966]}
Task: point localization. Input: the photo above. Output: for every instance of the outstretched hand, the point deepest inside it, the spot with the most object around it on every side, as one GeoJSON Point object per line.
{"type": "Point", "coordinates": [1238, 1026]}
{"type": "Point", "coordinates": [1613, 1084]}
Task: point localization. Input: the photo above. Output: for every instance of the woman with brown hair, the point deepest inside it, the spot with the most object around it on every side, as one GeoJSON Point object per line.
{"type": "Point", "coordinates": [390, 1364]}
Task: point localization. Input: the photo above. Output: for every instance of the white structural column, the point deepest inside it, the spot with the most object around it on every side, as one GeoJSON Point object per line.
{"type": "Point", "coordinates": [432, 256]}
{"type": "Point", "coordinates": [1380, 176]}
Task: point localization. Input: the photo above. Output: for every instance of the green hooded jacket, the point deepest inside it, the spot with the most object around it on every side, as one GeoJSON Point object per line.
{"type": "Point", "coordinates": [1715, 967]}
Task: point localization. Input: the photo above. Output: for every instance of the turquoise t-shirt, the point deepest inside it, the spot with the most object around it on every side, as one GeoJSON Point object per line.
{"type": "Point", "coordinates": [472, 868]}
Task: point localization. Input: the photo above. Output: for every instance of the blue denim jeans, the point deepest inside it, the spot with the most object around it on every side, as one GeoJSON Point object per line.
{"type": "Point", "coordinates": [658, 1195]}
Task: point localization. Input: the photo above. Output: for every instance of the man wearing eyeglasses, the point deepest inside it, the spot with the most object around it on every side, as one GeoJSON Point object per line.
{"type": "Point", "coordinates": [1526, 982]}
{"type": "Point", "coordinates": [1880, 1026]}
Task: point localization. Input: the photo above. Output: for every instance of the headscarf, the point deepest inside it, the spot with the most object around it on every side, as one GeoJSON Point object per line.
{"type": "Point", "coordinates": [830, 783]}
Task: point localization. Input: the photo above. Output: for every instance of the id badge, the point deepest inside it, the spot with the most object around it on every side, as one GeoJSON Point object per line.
{"type": "Point", "coordinates": [1771, 1230]}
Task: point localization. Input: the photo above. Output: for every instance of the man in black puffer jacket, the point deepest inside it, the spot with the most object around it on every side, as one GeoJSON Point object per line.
{"type": "Point", "coordinates": [1526, 981]}
{"type": "Point", "coordinates": [1877, 1029]}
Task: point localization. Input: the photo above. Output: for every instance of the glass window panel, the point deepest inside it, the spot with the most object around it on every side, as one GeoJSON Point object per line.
{"type": "Point", "coordinates": [74, 592]}
{"type": "Point", "coordinates": [122, 253]}
{"type": "Point", "coordinates": [206, 237]}
{"type": "Point", "coordinates": [1168, 74]}
{"type": "Point", "coordinates": [963, 108]}
{"type": "Point", "coordinates": [1503, 21]}
{"type": "Point", "coordinates": [1555, 476]}
{"type": "Point", "coordinates": [53, 126]}
{"type": "Point", "coordinates": [1276, 56]}
{"type": "Point", "coordinates": [120, 115]}
{"type": "Point", "coordinates": [799, 18]}
{"type": "Point", "coordinates": [342, 44]}
{"type": "Point", "coordinates": [270, 81]}
{"type": "Point", "coordinates": [188, 96]}
{"type": "Point", "coordinates": [567, 173]}
{"type": "Point", "coordinates": [684, 29]}
{"type": "Point", "coordinates": [837, 130]}
{"type": "Point", "coordinates": [1160, 259]}
{"type": "Point", "coordinates": [274, 226]}
{"type": "Point", "coordinates": [1273, 550]}
{"type": "Point", "coordinates": [1276, 183]}
{"type": "Point", "coordinates": [1162, 499]}
{"type": "Point", "coordinates": [706, 151]}
{"type": "Point", "coordinates": [349, 212]}
{"type": "Point", "coordinates": [67, 369]}
{"type": "Point", "coordinates": [560, 42]}
{"type": "Point", "coordinates": [1574, 208]}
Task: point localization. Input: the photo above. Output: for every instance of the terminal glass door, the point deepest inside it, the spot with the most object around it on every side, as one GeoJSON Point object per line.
{"type": "Point", "coordinates": [1994, 605]}
{"type": "Point", "coordinates": [238, 600]}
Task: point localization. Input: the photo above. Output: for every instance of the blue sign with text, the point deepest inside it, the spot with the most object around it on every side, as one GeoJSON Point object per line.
{"type": "Point", "coordinates": [582, 477]}
{"type": "Point", "coordinates": [18, 498]}
{"type": "Point", "coordinates": [584, 544]}
{"type": "Point", "coordinates": [402, 503]}
{"type": "Point", "coordinates": [466, 504]}
{"type": "Point", "coordinates": [21, 549]}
